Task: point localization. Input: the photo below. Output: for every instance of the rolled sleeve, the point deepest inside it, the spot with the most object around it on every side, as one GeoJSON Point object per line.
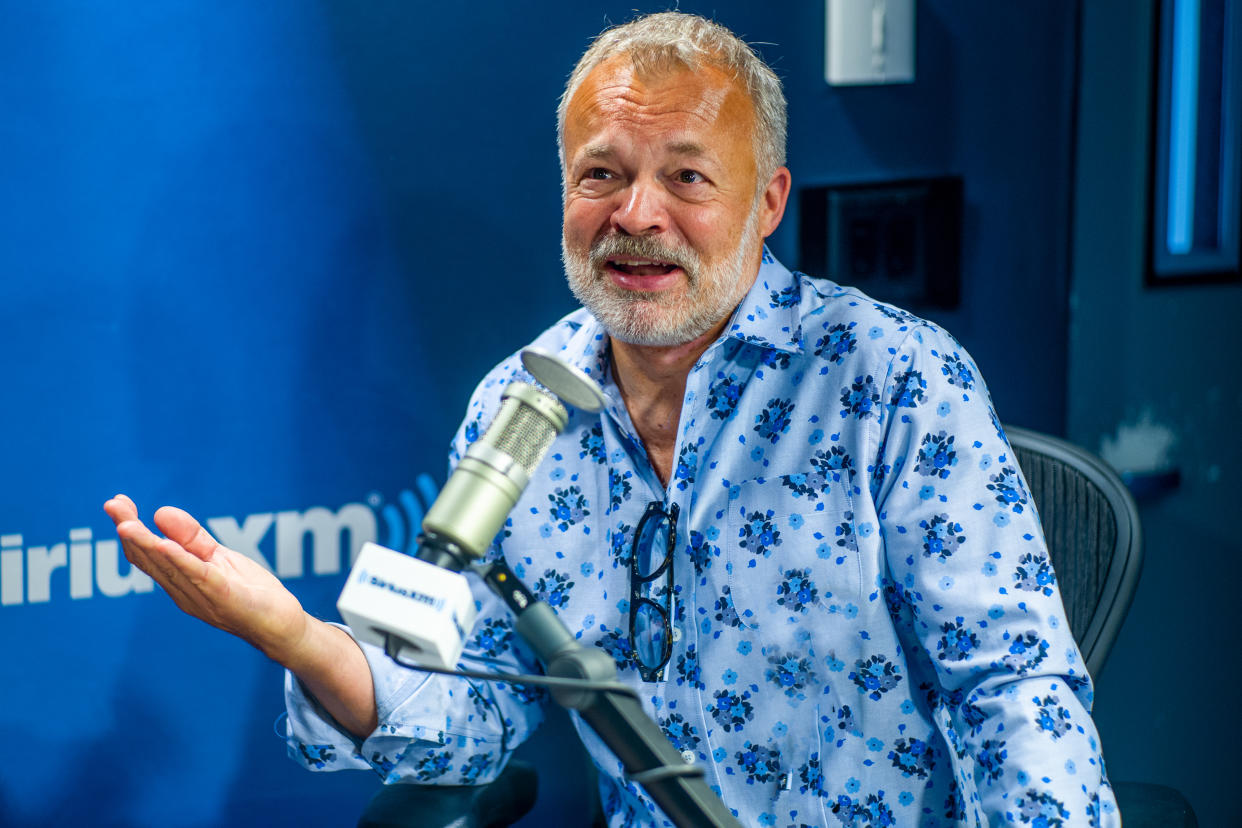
{"type": "Point", "coordinates": [432, 728]}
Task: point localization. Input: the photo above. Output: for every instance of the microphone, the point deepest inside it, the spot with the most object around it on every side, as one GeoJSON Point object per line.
{"type": "Point", "coordinates": [477, 498]}
{"type": "Point", "coordinates": [426, 602]}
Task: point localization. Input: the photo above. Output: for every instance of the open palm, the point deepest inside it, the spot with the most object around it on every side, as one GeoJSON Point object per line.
{"type": "Point", "coordinates": [211, 582]}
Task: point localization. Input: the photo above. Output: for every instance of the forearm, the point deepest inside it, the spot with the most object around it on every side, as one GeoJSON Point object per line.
{"type": "Point", "coordinates": [332, 666]}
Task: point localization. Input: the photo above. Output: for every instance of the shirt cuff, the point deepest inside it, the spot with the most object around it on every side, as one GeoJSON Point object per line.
{"type": "Point", "coordinates": [432, 728]}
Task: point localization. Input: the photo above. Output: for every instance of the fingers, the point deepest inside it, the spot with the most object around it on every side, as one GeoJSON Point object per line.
{"type": "Point", "coordinates": [176, 524]}
{"type": "Point", "coordinates": [161, 558]}
{"type": "Point", "coordinates": [206, 580]}
{"type": "Point", "coordinates": [187, 578]}
{"type": "Point", "coordinates": [181, 528]}
{"type": "Point", "coordinates": [156, 556]}
{"type": "Point", "coordinates": [121, 509]}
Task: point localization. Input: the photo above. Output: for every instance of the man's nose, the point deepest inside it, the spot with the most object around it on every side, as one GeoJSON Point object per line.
{"type": "Point", "coordinates": [642, 211]}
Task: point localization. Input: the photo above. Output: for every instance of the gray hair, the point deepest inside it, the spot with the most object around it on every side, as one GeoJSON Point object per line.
{"type": "Point", "coordinates": [659, 42]}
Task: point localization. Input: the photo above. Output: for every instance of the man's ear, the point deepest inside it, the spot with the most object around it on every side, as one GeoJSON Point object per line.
{"type": "Point", "coordinates": [773, 200]}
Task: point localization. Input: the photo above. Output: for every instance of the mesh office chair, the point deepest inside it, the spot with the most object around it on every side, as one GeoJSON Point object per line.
{"type": "Point", "coordinates": [1094, 538]}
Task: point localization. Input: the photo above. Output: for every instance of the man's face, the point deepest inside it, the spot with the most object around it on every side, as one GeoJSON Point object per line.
{"type": "Point", "coordinates": [664, 221]}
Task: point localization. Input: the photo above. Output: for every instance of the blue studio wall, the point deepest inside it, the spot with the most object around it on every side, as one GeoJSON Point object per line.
{"type": "Point", "coordinates": [1169, 366]}
{"type": "Point", "coordinates": [255, 258]}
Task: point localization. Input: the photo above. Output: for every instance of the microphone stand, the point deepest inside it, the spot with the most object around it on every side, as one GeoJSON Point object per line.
{"type": "Point", "coordinates": [614, 713]}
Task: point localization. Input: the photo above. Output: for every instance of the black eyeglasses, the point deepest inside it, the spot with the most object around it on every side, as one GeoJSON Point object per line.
{"type": "Point", "coordinates": [650, 622]}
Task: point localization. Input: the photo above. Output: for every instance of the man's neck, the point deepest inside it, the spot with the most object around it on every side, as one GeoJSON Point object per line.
{"type": "Point", "coordinates": [652, 380]}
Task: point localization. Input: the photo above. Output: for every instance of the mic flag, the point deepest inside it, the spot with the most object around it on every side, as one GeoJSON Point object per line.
{"type": "Point", "coordinates": [428, 608]}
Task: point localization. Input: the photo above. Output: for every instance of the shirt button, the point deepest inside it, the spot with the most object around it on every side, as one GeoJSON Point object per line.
{"type": "Point", "coordinates": [677, 633]}
{"type": "Point", "coordinates": [688, 756]}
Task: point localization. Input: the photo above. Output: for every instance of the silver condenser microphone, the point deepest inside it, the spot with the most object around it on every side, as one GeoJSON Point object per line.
{"type": "Point", "coordinates": [425, 602]}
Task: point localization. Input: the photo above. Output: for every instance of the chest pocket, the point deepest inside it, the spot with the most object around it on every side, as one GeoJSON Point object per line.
{"type": "Point", "coordinates": [790, 553]}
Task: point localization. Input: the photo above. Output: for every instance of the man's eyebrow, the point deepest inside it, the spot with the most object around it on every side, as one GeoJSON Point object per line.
{"type": "Point", "coordinates": [597, 151]}
{"type": "Point", "coordinates": [690, 148]}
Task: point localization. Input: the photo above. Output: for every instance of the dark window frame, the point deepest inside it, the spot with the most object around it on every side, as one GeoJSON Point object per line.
{"type": "Point", "coordinates": [1179, 250]}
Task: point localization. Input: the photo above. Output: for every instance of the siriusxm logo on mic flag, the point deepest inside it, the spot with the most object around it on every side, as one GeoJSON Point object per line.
{"type": "Point", "coordinates": [435, 603]}
{"type": "Point", "coordinates": [428, 608]}
{"type": "Point", "coordinates": [91, 564]}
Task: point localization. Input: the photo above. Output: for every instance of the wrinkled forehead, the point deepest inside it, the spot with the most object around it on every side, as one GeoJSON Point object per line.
{"type": "Point", "coordinates": [646, 95]}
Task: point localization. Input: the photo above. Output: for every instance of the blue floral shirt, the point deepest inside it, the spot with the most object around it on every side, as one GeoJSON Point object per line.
{"type": "Point", "coordinates": [867, 628]}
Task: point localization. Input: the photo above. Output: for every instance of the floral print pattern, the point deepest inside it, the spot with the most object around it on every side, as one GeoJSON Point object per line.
{"type": "Point", "coordinates": [867, 628]}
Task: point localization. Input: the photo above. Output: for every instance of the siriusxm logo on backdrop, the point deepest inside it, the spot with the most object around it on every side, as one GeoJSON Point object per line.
{"type": "Point", "coordinates": [94, 568]}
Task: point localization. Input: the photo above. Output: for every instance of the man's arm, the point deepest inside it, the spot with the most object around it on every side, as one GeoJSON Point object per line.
{"type": "Point", "coordinates": [972, 584]}
{"type": "Point", "coordinates": [234, 593]}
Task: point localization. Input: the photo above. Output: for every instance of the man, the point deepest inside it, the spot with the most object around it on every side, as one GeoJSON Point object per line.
{"type": "Point", "coordinates": [796, 526]}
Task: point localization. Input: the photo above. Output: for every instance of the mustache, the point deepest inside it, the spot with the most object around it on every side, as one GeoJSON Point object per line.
{"type": "Point", "coordinates": [615, 246]}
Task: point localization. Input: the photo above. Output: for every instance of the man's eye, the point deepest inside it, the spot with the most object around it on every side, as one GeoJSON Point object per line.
{"type": "Point", "coordinates": [598, 174]}
{"type": "Point", "coordinates": [690, 177]}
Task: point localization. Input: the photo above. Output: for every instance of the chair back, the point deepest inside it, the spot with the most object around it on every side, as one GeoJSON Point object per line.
{"type": "Point", "coordinates": [1094, 536]}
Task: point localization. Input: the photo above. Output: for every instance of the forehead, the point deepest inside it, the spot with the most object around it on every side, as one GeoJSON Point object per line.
{"type": "Point", "coordinates": [704, 104]}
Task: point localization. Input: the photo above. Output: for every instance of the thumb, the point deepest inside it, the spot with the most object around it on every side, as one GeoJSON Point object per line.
{"type": "Point", "coordinates": [181, 528]}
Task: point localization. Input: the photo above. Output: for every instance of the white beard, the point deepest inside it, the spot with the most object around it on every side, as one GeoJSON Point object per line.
{"type": "Point", "coordinates": [660, 318]}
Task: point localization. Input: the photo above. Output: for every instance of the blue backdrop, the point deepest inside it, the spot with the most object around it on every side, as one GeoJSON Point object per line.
{"type": "Point", "coordinates": [255, 257]}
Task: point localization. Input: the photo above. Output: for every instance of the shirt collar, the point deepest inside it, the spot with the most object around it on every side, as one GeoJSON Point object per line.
{"type": "Point", "coordinates": [770, 314]}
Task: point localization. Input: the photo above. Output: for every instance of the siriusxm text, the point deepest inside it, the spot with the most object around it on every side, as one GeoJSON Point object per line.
{"type": "Point", "coordinates": [432, 601]}
{"type": "Point", "coordinates": [86, 567]}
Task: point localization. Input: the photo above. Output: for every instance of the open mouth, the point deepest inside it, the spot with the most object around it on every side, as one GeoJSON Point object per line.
{"type": "Point", "coordinates": [642, 267]}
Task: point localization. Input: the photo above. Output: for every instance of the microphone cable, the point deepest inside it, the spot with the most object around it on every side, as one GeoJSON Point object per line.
{"type": "Point", "coordinates": [394, 643]}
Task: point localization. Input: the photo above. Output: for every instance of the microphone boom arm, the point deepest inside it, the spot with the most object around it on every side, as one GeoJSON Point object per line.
{"type": "Point", "coordinates": [458, 529]}
{"type": "Point", "coordinates": [617, 718]}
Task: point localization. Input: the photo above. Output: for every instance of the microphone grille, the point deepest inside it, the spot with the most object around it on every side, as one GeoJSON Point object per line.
{"type": "Point", "coordinates": [526, 425]}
